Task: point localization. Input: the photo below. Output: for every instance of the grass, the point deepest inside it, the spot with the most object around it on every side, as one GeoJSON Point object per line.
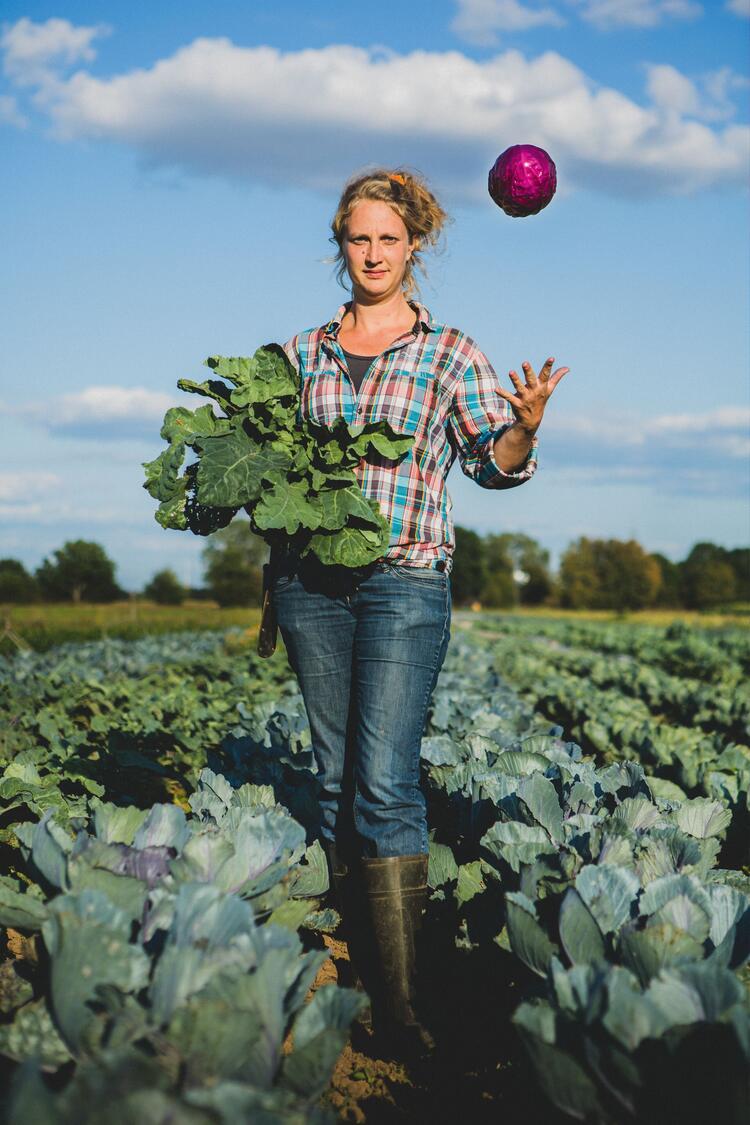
{"type": "Point", "coordinates": [699, 619]}
{"type": "Point", "coordinates": [44, 625]}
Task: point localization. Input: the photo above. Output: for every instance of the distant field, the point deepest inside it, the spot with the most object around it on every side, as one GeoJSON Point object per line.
{"type": "Point", "coordinates": [41, 627]}
{"type": "Point", "coordinates": [738, 615]}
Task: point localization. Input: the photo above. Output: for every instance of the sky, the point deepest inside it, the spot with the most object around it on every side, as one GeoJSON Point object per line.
{"type": "Point", "coordinates": [170, 173]}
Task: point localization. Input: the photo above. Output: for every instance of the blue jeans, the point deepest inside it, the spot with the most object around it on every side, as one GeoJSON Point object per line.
{"type": "Point", "coordinates": [366, 646]}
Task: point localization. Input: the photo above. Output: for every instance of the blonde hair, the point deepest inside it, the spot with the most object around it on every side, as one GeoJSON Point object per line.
{"type": "Point", "coordinates": [408, 195]}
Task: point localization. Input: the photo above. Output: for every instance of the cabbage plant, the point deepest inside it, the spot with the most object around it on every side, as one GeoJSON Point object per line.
{"type": "Point", "coordinates": [294, 477]}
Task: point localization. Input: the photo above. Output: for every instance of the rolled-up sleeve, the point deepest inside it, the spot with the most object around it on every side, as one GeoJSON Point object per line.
{"type": "Point", "coordinates": [291, 347]}
{"type": "Point", "coordinates": [477, 418]}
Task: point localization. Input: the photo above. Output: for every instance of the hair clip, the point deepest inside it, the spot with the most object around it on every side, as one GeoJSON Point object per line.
{"type": "Point", "coordinates": [398, 177]}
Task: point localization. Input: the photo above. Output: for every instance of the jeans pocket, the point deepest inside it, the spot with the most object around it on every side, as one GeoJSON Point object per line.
{"type": "Point", "coordinates": [420, 575]}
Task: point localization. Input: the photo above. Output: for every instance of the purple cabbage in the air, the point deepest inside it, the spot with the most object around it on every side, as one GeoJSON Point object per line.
{"type": "Point", "coordinates": [522, 180]}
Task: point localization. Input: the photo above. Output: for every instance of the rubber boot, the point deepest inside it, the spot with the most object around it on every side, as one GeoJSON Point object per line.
{"type": "Point", "coordinates": [349, 901]}
{"type": "Point", "coordinates": [396, 892]}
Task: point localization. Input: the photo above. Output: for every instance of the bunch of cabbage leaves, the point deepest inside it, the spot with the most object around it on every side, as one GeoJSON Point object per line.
{"type": "Point", "coordinates": [294, 477]}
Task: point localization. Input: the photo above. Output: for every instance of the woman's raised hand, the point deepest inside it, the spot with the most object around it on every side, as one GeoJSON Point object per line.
{"type": "Point", "coordinates": [530, 398]}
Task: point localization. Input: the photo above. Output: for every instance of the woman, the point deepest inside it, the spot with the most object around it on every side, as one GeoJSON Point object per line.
{"type": "Point", "coordinates": [367, 645]}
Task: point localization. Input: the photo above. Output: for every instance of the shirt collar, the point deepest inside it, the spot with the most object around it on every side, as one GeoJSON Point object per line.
{"type": "Point", "coordinates": [426, 323]}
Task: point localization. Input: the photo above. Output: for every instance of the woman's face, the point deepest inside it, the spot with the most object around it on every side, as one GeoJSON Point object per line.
{"type": "Point", "coordinates": [376, 249]}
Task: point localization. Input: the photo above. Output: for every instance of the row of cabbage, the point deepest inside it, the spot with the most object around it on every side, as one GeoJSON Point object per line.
{"type": "Point", "coordinates": [171, 977]}
{"type": "Point", "coordinates": [612, 899]}
{"type": "Point", "coordinates": [602, 882]}
{"type": "Point", "coordinates": [721, 708]}
{"type": "Point", "coordinates": [680, 649]}
{"type": "Point", "coordinates": [126, 721]}
{"type": "Point", "coordinates": [617, 708]}
{"type": "Point", "coordinates": [174, 972]}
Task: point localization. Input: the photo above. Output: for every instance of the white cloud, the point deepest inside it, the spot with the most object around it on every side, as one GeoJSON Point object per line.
{"type": "Point", "coordinates": [27, 485]}
{"type": "Point", "coordinates": [112, 412]}
{"type": "Point", "coordinates": [609, 14]}
{"type": "Point", "coordinates": [309, 118]}
{"type": "Point", "coordinates": [10, 114]}
{"type": "Point", "coordinates": [31, 49]}
{"type": "Point", "coordinates": [680, 454]}
{"type": "Point", "coordinates": [479, 21]}
{"type": "Point", "coordinates": [726, 427]}
{"type": "Point", "coordinates": [738, 7]}
{"type": "Point", "coordinates": [70, 515]}
{"type": "Point", "coordinates": [707, 98]}
{"type": "Point", "coordinates": [671, 90]}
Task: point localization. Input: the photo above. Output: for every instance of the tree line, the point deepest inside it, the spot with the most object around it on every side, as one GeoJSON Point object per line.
{"type": "Point", "coordinates": [495, 571]}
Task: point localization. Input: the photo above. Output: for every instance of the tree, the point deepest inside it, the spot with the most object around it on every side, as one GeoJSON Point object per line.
{"type": "Point", "coordinates": [630, 577]}
{"type": "Point", "coordinates": [670, 589]}
{"type": "Point", "coordinates": [529, 566]}
{"type": "Point", "coordinates": [81, 572]}
{"type": "Point", "coordinates": [16, 584]}
{"type": "Point", "coordinates": [469, 569]}
{"type": "Point", "coordinates": [234, 558]}
{"type": "Point", "coordinates": [499, 590]}
{"type": "Point", "coordinates": [608, 574]}
{"type": "Point", "coordinates": [708, 577]}
{"type": "Point", "coordinates": [579, 579]}
{"type": "Point", "coordinates": [739, 560]}
{"type": "Point", "coordinates": [165, 588]}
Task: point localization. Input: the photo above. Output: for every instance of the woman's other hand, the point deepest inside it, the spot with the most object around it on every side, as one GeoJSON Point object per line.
{"type": "Point", "coordinates": [531, 397]}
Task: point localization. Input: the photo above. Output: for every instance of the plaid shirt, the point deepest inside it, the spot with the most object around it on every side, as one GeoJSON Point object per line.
{"type": "Point", "coordinates": [435, 383]}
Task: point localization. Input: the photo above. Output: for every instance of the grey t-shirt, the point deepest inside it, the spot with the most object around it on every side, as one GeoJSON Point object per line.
{"type": "Point", "coordinates": [358, 365]}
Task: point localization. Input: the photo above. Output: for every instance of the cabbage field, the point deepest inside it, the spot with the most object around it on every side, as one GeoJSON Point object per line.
{"type": "Point", "coordinates": [170, 949]}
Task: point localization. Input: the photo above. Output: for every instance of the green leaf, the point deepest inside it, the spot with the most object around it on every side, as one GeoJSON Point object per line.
{"type": "Point", "coordinates": [21, 911]}
{"type": "Point", "coordinates": [319, 1035]}
{"type": "Point", "coordinates": [631, 1015]}
{"type": "Point", "coordinates": [50, 847]}
{"type": "Point", "coordinates": [88, 941]}
{"type": "Point", "coordinates": [182, 425]}
{"type": "Point", "coordinates": [171, 514]}
{"type": "Point", "coordinates": [291, 913]}
{"type": "Point", "coordinates": [351, 546]}
{"type": "Point", "coordinates": [470, 881]}
{"type": "Point", "coordinates": [32, 1034]}
{"type": "Point", "coordinates": [703, 817]}
{"type": "Point", "coordinates": [211, 388]}
{"type": "Point", "coordinates": [540, 797]}
{"type": "Point", "coordinates": [441, 865]}
{"type": "Point", "coordinates": [517, 843]}
{"type": "Point", "coordinates": [162, 474]}
{"type": "Point", "coordinates": [580, 936]}
{"type": "Point", "coordinates": [567, 1084]}
{"type": "Point", "coordinates": [233, 468]}
{"type": "Point", "coordinates": [521, 762]}
{"type": "Point", "coordinates": [609, 893]}
{"type": "Point", "coordinates": [337, 505]}
{"type": "Point", "coordinates": [115, 824]}
{"type": "Point", "coordinates": [288, 506]}
{"type": "Point", "coordinates": [262, 379]}
{"type": "Point", "coordinates": [527, 938]}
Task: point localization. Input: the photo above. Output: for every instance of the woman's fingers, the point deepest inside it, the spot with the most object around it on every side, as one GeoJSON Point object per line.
{"type": "Point", "coordinates": [556, 378]}
{"type": "Point", "coordinates": [545, 372]}
{"type": "Point", "coordinates": [529, 372]}
{"type": "Point", "coordinates": [508, 396]}
{"type": "Point", "coordinates": [545, 380]}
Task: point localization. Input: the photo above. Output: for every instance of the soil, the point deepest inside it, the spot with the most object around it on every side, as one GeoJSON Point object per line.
{"type": "Point", "coordinates": [477, 1074]}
